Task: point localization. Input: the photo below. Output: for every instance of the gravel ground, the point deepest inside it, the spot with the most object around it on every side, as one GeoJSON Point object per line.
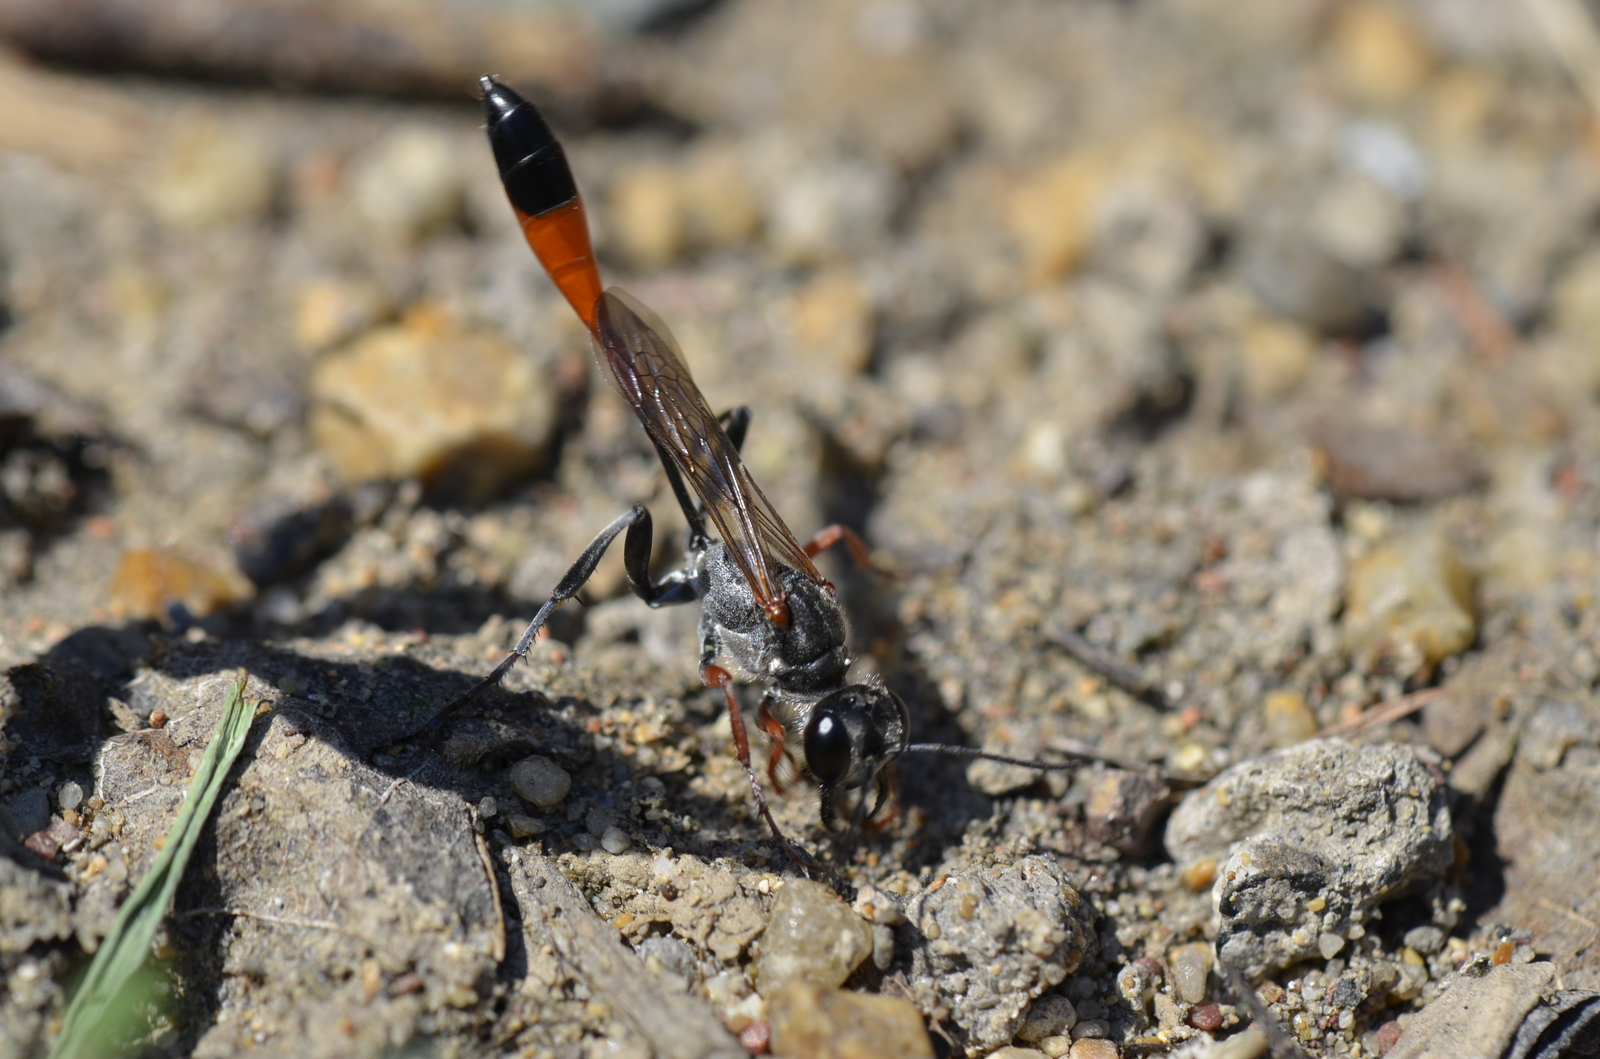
{"type": "Point", "coordinates": [1215, 384]}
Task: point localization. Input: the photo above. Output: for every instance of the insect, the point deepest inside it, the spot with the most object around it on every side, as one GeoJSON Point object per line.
{"type": "Point", "coordinates": [767, 613]}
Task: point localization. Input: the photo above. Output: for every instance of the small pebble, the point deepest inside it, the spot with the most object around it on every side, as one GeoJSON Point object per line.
{"type": "Point", "coordinates": [812, 937]}
{"type": "Point", "coordinates": [1413, 594]}
{"type": "Point", "coordinates": [70, 796]}
{"type": "Point", "coordinates": [1287, 718]}
{"type": "Point", "coordinates": [1198, 876]}
{"type": "Point", "coordinates": [815, 1023]}
{"type": "Point", "coordinates": [1330, 945]}
{"type": "Point", "coordinates": [464, 410]}
{"type": "Point", "coordinates": [150, 580]}
{"type": "Point", "coordinates": [1121, 808]}
{"type": "Point", "coordinates": [522, 826]}
{"type": "Point", "coordinates": [1206, 1016]}
{"type": "Point", "coordinates": [1091, 1029]}
{"type": "Point", "coordinates": [756, 1038]}
{"type": "Point", "coordinates": [488, 807]}
{"type": "Point", "coordinates": [1093, 1048]}
{"type": "Point", "coordinates": [1191, 967]}
{"type": "Point", "coordinates": [1051, 1015]}
{"type": "Point", "coordinates": [1056, 1047]}
{"type": "Point", "coordinates": [540, 781]}
{"type": "Point", "coordinates": [615, 840]}
{"type": "Point", "coordinates": [1387, 1036]}
{"type": "Point", "coordinates": [158, 718]}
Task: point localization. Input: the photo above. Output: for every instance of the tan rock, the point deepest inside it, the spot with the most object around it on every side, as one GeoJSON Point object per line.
{"type": "Point", "coordinates": [149, 580]}
{"type": "Point", "coordinates": [331, 311]}
{"type": "Point", "coordinates": [1378, 51]}
{"type": "Point", "coordinates": [463, 410]}
{"type": "Point", "coordinates": [1287, 718]}
{"type": "Point", "coordinates": [813, 937]}
{"type": "Point", "coordinates": [1412, 596]}
{"type": "Point", "coordinates": [833, 1024]}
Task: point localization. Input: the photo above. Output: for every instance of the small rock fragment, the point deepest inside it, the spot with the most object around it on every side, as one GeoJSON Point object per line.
{"type": "Point", "coordinates": [70, 795]}
{"type": "Point", "coordinates": [1191, 970]}
{"type": "Point", "coordinates": [809, 1022]}
{"type": "Point", "coordinates": [1316, 836]}
{"type": "Point", "coordinates": [615, 840]}
{"type": "Point", "coordinates": [1122, 807]}
{"type": "Point", "coordinates": [540, 781]}
{"type": "Point", "coordinates": [1287, 718]}
{"type": "Point", "coordinates": [149, 580]}
{"type": "Point", "coordinates": [1413, 597]}
{"type": "Point", "coordinates": [330, 311]}
{"type": "Point", "coordinates": [812, 937]}
{"type": "Point", "coordinates": [1394, 463]}
{"type": "Point", "coordinates": [522, 826]}
{"type": "Point", "coordinates": [1051, 1015]}
{"type": "Point", "coordinates": [1093, 1048]}
{"type": "Point", "coordinates": [1477, 1016]}
{"type": "Point", "coordinates": [1023, 924]}
{"type": "Point", "coordinates": [463, 410]}
{"type": "Point", "coordinates": [1206, 1016]}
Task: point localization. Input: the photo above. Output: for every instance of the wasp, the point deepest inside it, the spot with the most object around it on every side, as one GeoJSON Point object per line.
{"type": "Point", "coordinates": [767, 614]}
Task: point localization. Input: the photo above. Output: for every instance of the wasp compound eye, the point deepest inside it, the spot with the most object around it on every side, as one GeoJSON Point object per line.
{"type": "Point", "coordinates": [828, 747]}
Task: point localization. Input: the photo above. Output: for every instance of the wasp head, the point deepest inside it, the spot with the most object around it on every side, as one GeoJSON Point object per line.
{"type": "Point", "coordinates": [850, 736]}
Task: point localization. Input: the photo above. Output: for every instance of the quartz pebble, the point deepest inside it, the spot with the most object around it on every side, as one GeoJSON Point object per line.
{"type": "Point", "coordinates": [816, 1023]}
{"type": "Point", "coordinates": [540, 781]}
{"type": "Point", "coordinates": [70, 796]}
{"type": "Point", "coordinates": [1191, 966]}
{"type": "Point", "coordinates": [812, 937]}
{"type": "Point", "coordinates": [615, 840]}
{"type": "Point", "coordinates": [1093, 1048]}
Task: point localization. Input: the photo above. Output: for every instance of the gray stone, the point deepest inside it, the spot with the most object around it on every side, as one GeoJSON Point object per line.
{"type": "Point", "coordinates": [1476, 1018]}
{"type": "Point", "coordinates": [540, 781]}
{"type": "Point", "coordinates": [1315, 837]}
{"type": "Point", "coordinates": [993, 939]}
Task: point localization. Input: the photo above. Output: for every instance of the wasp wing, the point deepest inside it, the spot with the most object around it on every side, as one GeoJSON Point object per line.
{"type": "Point", "coordinates": [646, 364]}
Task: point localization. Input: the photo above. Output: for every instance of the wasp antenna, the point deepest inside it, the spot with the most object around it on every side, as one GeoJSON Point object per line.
{"type": "Point", "coordinates": [538, 181]}
{"type": "Point", "coordinates": [971, 752]}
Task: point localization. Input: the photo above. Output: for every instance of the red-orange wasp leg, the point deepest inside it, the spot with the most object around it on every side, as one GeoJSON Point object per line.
{"type": "Point", "coordinates": [716, 677]}
{"type": "Point", "coordinates": [774, 728]}
{"type": "Point", "coordinates": [828, 536]}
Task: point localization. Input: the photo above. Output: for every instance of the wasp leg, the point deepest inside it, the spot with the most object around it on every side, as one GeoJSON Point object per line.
{"type": "Point", "coordinates": [674, 588]}
{"type": "Point", "coordinates": [887, 790]}
{"type": "Point", "coordinates": [714, 676]}
{"type": "Point", "coordinates": [736, 422]}
{"type": "Point", "coordinates": [828, 536]}
{"type": "Point", "coordinates": [774, 728]}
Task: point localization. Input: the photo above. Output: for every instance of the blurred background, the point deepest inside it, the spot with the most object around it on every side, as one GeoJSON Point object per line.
{"type": "Point", "coordinates": [256, 259]}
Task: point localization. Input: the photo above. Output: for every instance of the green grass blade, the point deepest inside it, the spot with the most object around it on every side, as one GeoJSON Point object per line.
{"type": "Point", "coordinates": [88, 1030]}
